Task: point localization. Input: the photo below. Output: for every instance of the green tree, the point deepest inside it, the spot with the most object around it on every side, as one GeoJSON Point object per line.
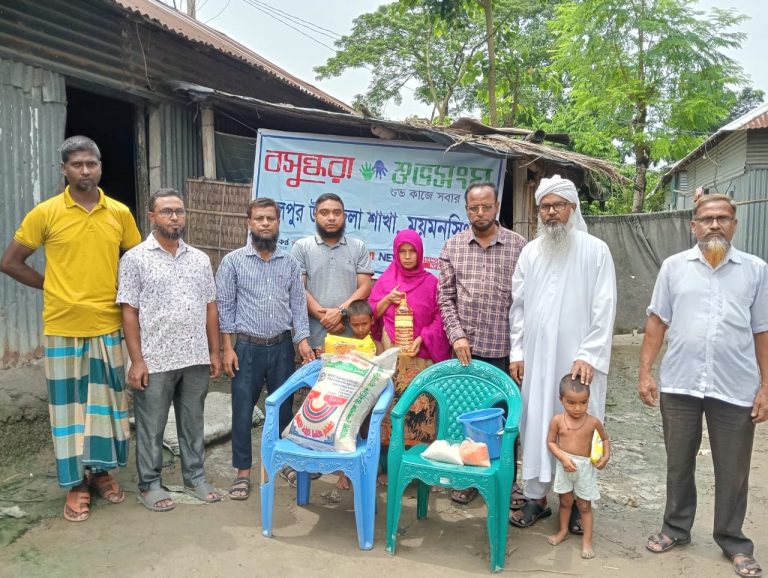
{"type": "Point", "coordinates": [747, 99]}
{"type": "Point", "coordinates": [526, 95]}
{"type": "Point", "coordinates": [452, 11]}
{"type": "Point", "coordinates": [401, 45]}
{"type": "Point", "coordinates": [648, 74]}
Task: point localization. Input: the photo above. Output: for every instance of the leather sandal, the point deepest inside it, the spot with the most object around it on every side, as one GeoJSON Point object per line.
{"type": "Point", "coordinates": [747, 567]}
{"type": "Point", "coordinates": [77, 508]}
{"type": "Point", "coordinates": [664, 543]}
{"type": "Point", "coordinates": [107, 487]}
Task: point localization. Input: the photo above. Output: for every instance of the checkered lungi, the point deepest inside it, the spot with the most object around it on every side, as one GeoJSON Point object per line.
{"type": "Point", "coordinates": [87, 404]}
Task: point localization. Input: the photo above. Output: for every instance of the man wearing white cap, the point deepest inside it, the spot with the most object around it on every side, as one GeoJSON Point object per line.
{"type": "Point", "coordinates": [561, 322]}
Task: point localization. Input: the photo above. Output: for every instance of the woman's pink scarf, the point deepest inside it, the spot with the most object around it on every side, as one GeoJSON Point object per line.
{"type": "Point", "coordinates": [420, 288]}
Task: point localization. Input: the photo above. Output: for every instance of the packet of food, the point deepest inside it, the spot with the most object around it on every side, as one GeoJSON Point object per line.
{"type": "Point", "coordinates": [474, 453]}
{"type": "Point", "coordinates": [339, 345]}
{"type": "Point", "coordinates": [443, 451]}
{"type": "Point", "coordinates": [597, 448]}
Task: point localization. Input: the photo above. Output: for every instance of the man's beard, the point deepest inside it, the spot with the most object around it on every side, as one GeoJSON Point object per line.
{"type": "Point", "coordinates": [85, 185]}
{"type": "Point", "coordinates": [168, 234]}
{"type": "Point", "coordinates": [714, 249]}
{"type": "Point", "coordinates": [325, 234]}
{"type": "Point", "coordinates": [261, 243]}
{"type": "Point", "coordinates": [477, 228]}
{"type": "Point", "coordinates": [555, 237]}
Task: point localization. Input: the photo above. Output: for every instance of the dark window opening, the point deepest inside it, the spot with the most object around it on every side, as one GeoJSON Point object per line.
{"type": "Point", "coordinates": [109, 122]}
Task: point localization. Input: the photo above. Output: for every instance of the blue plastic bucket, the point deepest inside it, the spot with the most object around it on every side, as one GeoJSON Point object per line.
{"type": "Point", "coordinates": [485, 425]}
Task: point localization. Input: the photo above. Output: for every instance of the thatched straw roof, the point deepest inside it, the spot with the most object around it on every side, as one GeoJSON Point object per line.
{"type": "Point", "coordinates": [464, 135]}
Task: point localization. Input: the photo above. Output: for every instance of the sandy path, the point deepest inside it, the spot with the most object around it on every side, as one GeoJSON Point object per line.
{"type": "Point", "coordinates": [225, 539]}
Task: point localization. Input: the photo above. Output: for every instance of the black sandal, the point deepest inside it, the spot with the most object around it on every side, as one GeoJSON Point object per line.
{"type": "Point", "coordinates": [464, 497]}
{"type": "Point", "coordinates": [664, 542]}
{"type": "Point", "coordinates": [517, 499]}
{"type": "Point", "coordinates": [748, 567]}
{"type": "Point", "coordinates": [574, 521]}
{"type": "Point", "coordinates": [241, 484]}
{"type": "Point", "coordinates": [532, 511]}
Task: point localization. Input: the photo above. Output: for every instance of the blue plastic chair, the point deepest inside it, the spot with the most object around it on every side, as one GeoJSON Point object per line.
{"type": "Point", "coordinates": [456, 390]}
{"type": "Point", "coordinates": [361, 466]}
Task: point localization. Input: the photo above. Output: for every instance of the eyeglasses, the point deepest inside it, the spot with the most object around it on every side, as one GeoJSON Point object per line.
{"type": "Point", "coordinates": [169, 212]}
{"type": "Point", "coordinates": [485, 208]}
{"type": "Point", "coordinates": [544, 209]}
{"type": "Point", "coordinates": [709, 221]}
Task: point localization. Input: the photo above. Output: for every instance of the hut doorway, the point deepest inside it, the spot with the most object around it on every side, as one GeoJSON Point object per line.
{"type": "Point", "coordinates": [110, 123]}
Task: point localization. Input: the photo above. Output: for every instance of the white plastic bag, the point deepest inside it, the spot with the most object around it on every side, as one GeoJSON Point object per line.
{"type": "Point", "coordinates": [442, 451]}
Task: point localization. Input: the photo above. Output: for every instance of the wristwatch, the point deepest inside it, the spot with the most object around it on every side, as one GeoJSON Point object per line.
{"type": "Point", "coordinates": [343, 311]}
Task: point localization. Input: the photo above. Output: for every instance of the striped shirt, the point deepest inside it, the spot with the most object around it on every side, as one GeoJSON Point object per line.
{"type": "Point", "coordinates": [261, 298]}
{"type": "Point", "coordinates": [475, 290]}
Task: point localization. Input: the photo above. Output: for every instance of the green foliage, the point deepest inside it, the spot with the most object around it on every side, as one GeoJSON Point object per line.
{"type": "Point", "coordinates": [633, 81]}
{"type": "Point", "coordinates": [621, 198]}
{"type": "Point", "coordinates": [747, 99]}
{"type": "Point", "coordinates": [526, 94]}
{"type": "Point", "coordinates": [401, 44]}
{"type": "Point", "coordinates": [650, 75]}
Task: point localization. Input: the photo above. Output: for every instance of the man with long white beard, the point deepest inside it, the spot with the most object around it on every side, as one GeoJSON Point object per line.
{"type": "Point", "coordinates": [561, 322]}
{"type": "Point", "coordinates": [713, 302]}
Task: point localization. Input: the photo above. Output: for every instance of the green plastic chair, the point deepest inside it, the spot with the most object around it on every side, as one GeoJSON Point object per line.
{"type": "Point", "coordinates": [456, 389]}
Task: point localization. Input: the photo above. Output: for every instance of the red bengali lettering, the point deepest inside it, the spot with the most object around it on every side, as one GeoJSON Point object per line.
{"type": "Point", "coordinates": [308, 167]}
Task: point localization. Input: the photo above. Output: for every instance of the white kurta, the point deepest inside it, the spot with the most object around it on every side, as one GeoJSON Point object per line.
{"type": "Point", "coordinates": [563, 308]}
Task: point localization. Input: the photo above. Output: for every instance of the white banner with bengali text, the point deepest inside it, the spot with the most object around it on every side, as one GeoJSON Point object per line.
{"type": "Point", "coordinates": [385, 185]}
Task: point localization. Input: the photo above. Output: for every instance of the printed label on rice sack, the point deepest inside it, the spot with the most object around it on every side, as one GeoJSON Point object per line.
{"type": "Point", "coordinates": [346, 390]}
{"type": "Point", "coordinates": [316, 423]}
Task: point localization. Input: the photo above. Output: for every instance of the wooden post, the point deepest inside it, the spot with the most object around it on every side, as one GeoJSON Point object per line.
{"type": "Point", "coordinates": [520, 204]}
{"type": "Point", "coordinates": [209, 143]}
{"type": "Point", "coordinates": [155, 149]}
{"type": "Point", "coordinates": [142, 169]}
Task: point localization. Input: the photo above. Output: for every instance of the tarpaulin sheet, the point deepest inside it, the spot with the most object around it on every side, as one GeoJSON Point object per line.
{"type": "Point", "coordinates": [639, 244]}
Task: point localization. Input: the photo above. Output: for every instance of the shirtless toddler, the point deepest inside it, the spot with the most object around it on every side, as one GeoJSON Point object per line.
{"type": "Point", "coordinates": [570, 441]}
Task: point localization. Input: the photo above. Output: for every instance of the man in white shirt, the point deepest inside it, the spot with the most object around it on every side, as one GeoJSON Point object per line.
{"type": "Point", "coordinates": [713, 302]}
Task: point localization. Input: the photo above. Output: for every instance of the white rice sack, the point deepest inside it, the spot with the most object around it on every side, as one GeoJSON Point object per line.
{"type": "Point", "coordinates": [346, 391]}
{"type": "Point", "coordinates": [443, 451]}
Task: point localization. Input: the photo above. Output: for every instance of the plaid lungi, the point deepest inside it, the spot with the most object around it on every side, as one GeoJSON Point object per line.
{"type": "Point", "coordinates": [87, 404]}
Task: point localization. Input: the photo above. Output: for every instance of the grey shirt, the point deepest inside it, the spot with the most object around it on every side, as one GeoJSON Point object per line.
{"type": "Point", "coordinates": [331, 274]}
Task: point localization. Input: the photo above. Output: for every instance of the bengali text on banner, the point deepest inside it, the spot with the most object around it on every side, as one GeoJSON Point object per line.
{"type": "Point", "coordinates": [386, 186]}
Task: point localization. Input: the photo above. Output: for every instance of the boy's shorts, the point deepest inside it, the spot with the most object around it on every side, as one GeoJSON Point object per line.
{"type": "Point", "coordinates": [582, 482]}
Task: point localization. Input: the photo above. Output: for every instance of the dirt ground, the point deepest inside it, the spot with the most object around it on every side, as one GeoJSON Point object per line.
{"type": "Point", "coordinates": [225, 539]}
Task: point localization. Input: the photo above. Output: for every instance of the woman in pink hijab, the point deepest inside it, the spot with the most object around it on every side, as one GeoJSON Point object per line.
{"type": "Point", "coordinates": [406, 277]}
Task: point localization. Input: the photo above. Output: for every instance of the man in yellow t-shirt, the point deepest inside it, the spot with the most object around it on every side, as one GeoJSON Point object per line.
{"type": "Point", "coordinates": [82, 232]}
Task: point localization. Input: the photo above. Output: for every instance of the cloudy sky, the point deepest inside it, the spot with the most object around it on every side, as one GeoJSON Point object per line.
{"type": "Point", "coordinates": [274, 29]}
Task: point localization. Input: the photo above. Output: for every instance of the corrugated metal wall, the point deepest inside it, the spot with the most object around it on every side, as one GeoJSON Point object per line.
{"type": "Point", "coordinates": [752, 230]}
{"type": "Point", "coordinates": [182, 147]}
{"type": "Point", "coordinates": [724, 162]}
{"type": "Point", "coordinates": [32, 117]}
{"type": "Point", "coordinates": [751, 188]}
{"type": "Point", "coordinates": [99, 42]}
{"type": "Point", "coordinates": [757, 147]}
